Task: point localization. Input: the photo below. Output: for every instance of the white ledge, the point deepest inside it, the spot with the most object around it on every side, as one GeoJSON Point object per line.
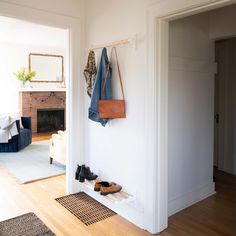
{"type": "Point", "coordinates": [120, 197]}
{"type": "Point", "coordinates": [42, 90]}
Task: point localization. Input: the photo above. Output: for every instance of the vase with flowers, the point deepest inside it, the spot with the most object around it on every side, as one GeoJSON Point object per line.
{"type": "Point", "coordinates": [24, 76]}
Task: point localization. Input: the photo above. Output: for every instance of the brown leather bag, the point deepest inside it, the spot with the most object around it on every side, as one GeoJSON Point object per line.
{"type": "Point", "coordinates": [112, 108]}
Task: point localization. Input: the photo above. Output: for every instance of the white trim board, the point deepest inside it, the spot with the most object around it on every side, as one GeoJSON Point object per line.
{"type": "Point", "coordinates": [75, 104]}
{"type": "Point", "coordinates": [156, 102]}
{"type": "Point", "coordinates": [190, 198]}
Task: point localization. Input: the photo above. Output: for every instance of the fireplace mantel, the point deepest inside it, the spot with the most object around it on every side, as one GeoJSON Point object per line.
{"type": "Point", "coordinates": [62, 89]}
{"type": "Point", "coordinates": [31, 101]}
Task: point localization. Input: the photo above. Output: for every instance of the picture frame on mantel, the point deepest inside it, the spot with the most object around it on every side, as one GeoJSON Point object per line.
{"type": "Point", "coordinates": [49, 68]}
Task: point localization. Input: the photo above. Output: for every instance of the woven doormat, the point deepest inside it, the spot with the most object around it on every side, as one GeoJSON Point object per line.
{"type": "Point", "coordinates": [27, 225]}
{"type": "Point", "coordinates": [85, 208]}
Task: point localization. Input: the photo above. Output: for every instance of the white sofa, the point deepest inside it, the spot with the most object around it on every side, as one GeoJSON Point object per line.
{"type": "Point", "coordinates": [58, 147]}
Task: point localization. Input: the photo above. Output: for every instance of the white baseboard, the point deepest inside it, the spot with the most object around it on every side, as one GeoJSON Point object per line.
{"type": "Point", "coordinates": [190, 198]}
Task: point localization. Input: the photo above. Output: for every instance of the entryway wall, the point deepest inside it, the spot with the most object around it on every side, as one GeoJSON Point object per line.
{"type": "Point", "coordinates": [191, 104]}
{"type": "Point", "coordinates": [117, 152]}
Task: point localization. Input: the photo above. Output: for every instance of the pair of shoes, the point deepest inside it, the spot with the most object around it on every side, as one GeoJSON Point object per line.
{"type": "Point", "coordinates": [106, 188]}
{"type": "Point", "coordinates": [83, 173]}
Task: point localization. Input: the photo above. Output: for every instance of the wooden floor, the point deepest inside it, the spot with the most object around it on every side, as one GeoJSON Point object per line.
{"type": "Point", "coordinates": [38, 197]}
{"type": "Point", "coordinates": [215, 216]}
{"type": "Point", "coordinates": [41, 136]}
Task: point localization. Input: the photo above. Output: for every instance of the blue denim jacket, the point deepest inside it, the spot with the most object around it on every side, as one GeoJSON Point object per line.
{"type": "Point", "coordinates": [97, 90]}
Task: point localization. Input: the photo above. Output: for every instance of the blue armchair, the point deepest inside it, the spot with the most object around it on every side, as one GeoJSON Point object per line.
{"type": "Point", "coordinates": [20, 141]}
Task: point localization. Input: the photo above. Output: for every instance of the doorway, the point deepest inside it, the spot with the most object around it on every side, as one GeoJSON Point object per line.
{"type": "Point", "coordinates": [75, 99]}
{"type": "Point", "coordinates": [28, 95]}
{"type": "Point", "coordinates": [159, 16]}
{"type": "Point", "coordinates": [200, 104]}
{"type": "Point", "coordinates": [190, 112]}
{"type": "Point", "coordinates": [225, 85]}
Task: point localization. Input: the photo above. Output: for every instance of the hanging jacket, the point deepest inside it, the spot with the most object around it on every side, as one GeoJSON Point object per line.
{"type": "Point", "coordinates": [90, 72]}
{"type": "Point", "coordinates": [99, 81]}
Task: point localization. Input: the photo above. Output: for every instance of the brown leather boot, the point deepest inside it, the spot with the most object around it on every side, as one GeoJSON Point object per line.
{"type": "Point", "coordinates": [114, 188]}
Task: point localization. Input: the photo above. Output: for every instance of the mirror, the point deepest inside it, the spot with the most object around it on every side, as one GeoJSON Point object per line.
{"type": "Point", "coordinates": [48, 68]}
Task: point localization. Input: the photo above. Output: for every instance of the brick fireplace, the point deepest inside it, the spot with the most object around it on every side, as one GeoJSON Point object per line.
{"type": "Point", "coordinates": [32, 103]}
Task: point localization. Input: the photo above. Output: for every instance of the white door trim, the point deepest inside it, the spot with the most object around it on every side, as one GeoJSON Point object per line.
{"type": "Point", "coordinates": [75, 54]}
{"type": "Point", "coordinates": [158, 16]}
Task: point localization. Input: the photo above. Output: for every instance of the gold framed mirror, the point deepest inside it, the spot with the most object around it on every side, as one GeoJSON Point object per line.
{"type": "Point", "coordinates": [48, 67]}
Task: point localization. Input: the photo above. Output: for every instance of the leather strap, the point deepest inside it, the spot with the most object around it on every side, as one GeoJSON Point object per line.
{"type": "Point", "coordinates": [119, 74]}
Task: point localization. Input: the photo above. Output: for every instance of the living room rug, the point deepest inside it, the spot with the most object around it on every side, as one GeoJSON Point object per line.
{"type": "Point", "coordinates": [85, 208]}
{"type": "Point", "coordinates": [28, 224]}
{"type": "Point", "coordinates": [31, 163]}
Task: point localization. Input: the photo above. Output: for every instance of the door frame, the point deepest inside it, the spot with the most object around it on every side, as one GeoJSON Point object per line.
{"type": "Point", "coordinates": [74, 97]}
{"type": "Point", "coordinates": [158, 17]}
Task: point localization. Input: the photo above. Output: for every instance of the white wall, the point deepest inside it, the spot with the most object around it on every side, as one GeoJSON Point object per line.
{"type": "Point", "coordinates": [191, 112]}
{"type": "Point", "coordinates": [117, 152]}
{"type": "Point", "coordinates": [25, 32]}
{"type": "Point", "coordinates": [12, 58]}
